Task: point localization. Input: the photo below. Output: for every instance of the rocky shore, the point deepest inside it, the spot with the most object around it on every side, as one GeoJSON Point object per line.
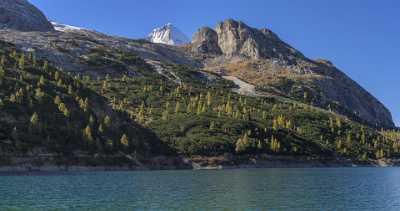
{"type": "Point", "coordinates": [55, 164]}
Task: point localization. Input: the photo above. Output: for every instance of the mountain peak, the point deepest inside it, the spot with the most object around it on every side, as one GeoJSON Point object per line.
{"type": "Point", "coordinates": [168, 34]}
{"type": "Point", "coordinates": [21, 15]}
{"type": "Point", "coordinates": [235, 38]}
{"type": "Point", "coordinates": [233, 23]}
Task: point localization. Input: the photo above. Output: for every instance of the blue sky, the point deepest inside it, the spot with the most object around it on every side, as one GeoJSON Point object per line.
{"type": "Point", "coordinates": [361, 37]}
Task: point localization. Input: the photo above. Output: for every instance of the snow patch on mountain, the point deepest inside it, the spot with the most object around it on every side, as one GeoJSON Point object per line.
{"type": "Point", "coordinates": [168, 34]}
{"type": "Point", "coordinates": [65, 27]}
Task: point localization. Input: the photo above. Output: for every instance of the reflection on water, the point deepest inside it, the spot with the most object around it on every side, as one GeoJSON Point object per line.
{"type": "Point", "coordinates": [243, 189]}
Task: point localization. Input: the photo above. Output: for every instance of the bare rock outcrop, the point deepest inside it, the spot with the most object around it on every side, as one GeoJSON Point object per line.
{"type": "Point", "coordinates": [206, 41]}
{"type": "Point", "coordinates": [235, 38]}
{"type": "Point", "coordinates": [21, 15]}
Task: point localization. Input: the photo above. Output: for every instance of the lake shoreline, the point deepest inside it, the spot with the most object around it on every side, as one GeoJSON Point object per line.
{"type": "Point", "coordinates": [29, 164]}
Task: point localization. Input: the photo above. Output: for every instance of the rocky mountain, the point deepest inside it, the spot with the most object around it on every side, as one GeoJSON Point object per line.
{"type": "Point", "coordinates": [169, 35]}
{"type": "Point", "coordinates": [261, 58]}
{"type": "Point", "coordinates": [256, 56]}
{"type": "Point", "coordinates": [79, 97]}
{"type": "Point", "coordinates": [234, 38]}
{"type": "Point", "coordinates": [22, 16]}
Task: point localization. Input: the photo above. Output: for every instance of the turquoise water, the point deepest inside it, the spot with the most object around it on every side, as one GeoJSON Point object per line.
{"type": "Point", "coordinates": [243, 189]}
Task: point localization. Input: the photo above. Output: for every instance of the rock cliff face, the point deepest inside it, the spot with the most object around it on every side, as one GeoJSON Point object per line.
{"type": "Point", "coordinates": [233, 43]}
{"type": "Point", "coordinates": [20, 15]}
{"type": "Point", "coordinates": [235, 38]}
{"type": "Point", "coordinates": [206, 41]}
{"type": "Point", "coordinates": [339, 88]}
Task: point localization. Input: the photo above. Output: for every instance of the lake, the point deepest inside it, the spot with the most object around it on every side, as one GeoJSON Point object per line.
{"type": "Point", "coordinates": [239, 189]}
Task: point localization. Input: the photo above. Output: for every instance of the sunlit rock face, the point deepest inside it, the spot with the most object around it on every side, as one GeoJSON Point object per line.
{"type": "Point", "coordinates": [206, 41]}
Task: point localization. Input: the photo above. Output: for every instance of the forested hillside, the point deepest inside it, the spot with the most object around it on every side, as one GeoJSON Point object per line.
{"type": "Point", "coordinates": [202, 116]}
{"type": "Point", "coordinates": [45, 110]}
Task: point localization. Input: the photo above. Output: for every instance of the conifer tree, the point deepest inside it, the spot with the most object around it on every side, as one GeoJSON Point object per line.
{"type": "Point", "coordinates": [42, 81]}
{"type": "Point", "coordinates": [288, 124]}
{"type": "Point", "coordinates": [212, 125]}
{"type": "Point", "coordinates": [2, 60]}
{"type": "Point", "coordinates": [331, 125]}
{"type": "Point", "coordinates": [379, 153]}
{"type": "Point", "coordinates": [13, 99]}
{"type": "Point", "coordinates": [274, 124]}
{"type": "Point", "coordinates": [57, 100]}
{"type": "Point", "coordinates": [228, 107]}
{"type": "Point", "coordinates": [209, 98]}
{"type": "Point", "coordinates": [199, 107]}
{"type": "Point", "coordinates": [60, 83]}
{"type": "Point", "coordinates": [104, 86]}
{"type": "Point", "coordinates": [62, 107]}
{"type": "Point", "coordinates": [34, 61]}
{"type": "Point", "coordinates": [66, 113]}
{"type": "Point", "coordinates": [242, 143]}
{"type": "Point", "coordinates": [124, 78]}
{"type": "Point", "coordinates": [363, 136]}
{"type": "Point", "coordinates": [275, 144]}
{"type": "Point", "coordinates": [70, 90]}
{"type": "Point", "coordinates": [339, 144]}
{"type": "Point", "coordinates": [264, 115]}
{"type": "Point", "coordinates": [348, 139]}
{"type": "Point", "coordinates": [164, 115]}
{"type": "Point", "coordinates": [364, 156]}
{"type": "Point", "coordinates": [45, 66]}
{"type": "Point", "coordinates": [56, 76]}
{"type": "Point", "coordinates": [101, 129]}
{"type": "Point", "coordinates": [338, 122]}
{"type": "Point", "coordinates": [87, 133]}
{"type": "Point", "coordinates": [203, 108]}
{"type": "Point", "coordinates": [83, 104]}
{"type": "Point", "coordinates": [21, 62]}
{"type": "Point", "coordinates": [240, 146]}
{"type": "Point", "coordinates": [34, 119]}
{"type": "Point", "coordinates": [124, 140]}
{"type": "Point", "coordinates": [91, 120]}
{"type": "Point", "coordinates": [110, 143]}
{"type": "Point", "coordinates": [2, 73]}
{"type": "Point", "coordinates": [177, 107]}
{"type": "Point", "coordinates": [107, 121]}
{"type": "Point", "coordinates": [260, 145]}
{"type": "Point", "coordinates": [189, 108]}
{"type": "Point", "coordinates": [39, 94]}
